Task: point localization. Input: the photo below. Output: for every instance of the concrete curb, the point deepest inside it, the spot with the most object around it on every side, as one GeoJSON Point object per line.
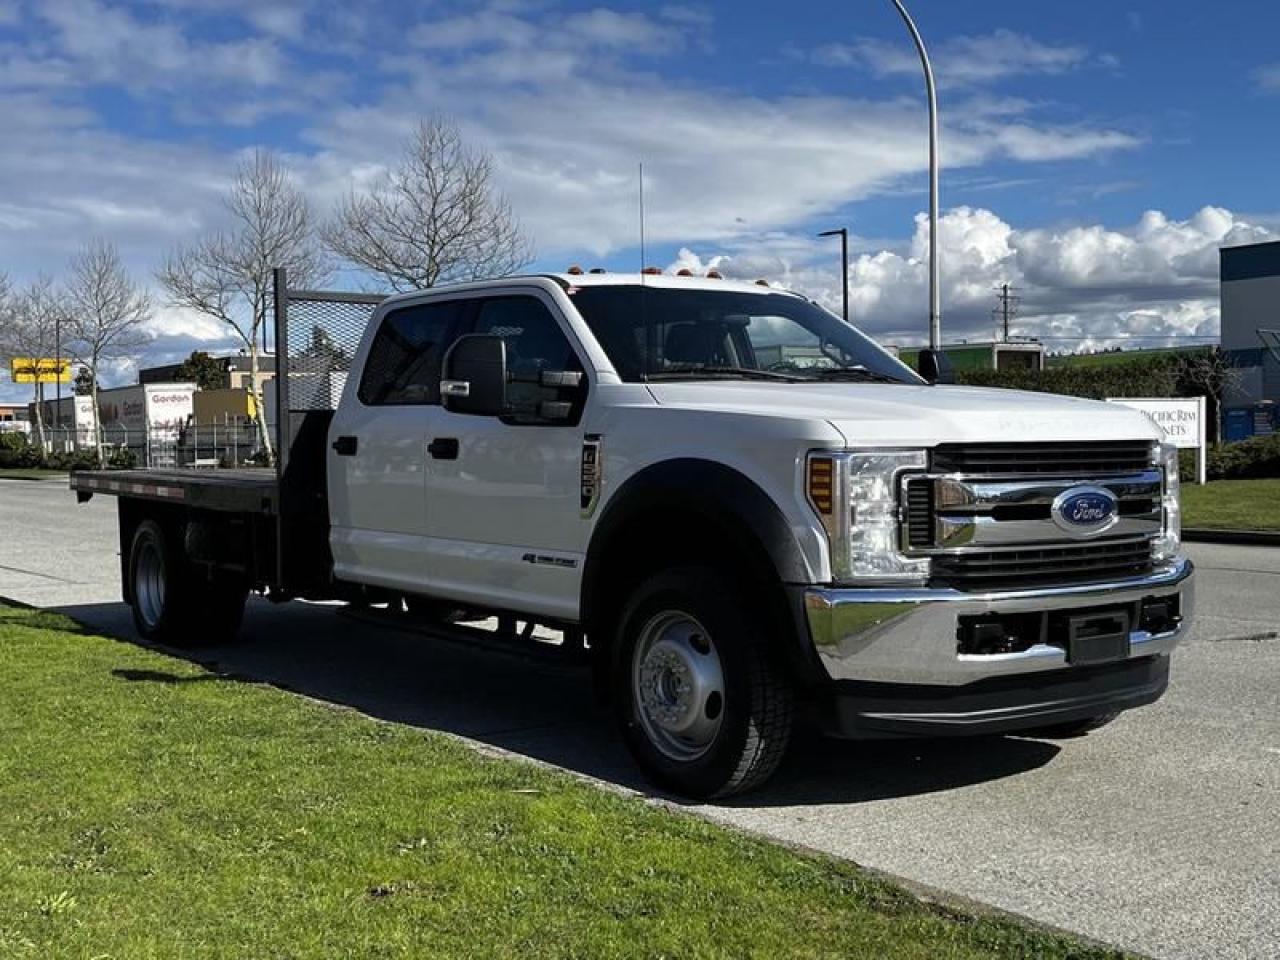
{"type": "Point", "coordinates": [1255, 538]}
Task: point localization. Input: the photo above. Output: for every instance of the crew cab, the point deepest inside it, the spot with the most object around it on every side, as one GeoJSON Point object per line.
{"type": "Point", "coordinates": [738, 507]}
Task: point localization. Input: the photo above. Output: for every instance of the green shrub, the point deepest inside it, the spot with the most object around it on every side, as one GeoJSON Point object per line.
{"type": "Point", "coordinates": [1140, 377]}
{"type": "Point", "coordinates": [1255, 458]}
{"type": "Point", "coordinates": [86, 459]}
{"type": "Point", "coordinates": [16, 451]}
{"type": "Point", "coordinates": [122, 458]}
{"type": "Point", "coordinates": [13, 442]}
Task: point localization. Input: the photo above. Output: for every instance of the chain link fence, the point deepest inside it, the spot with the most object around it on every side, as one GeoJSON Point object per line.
{"type": "Point", "coordinates": [233, 442]}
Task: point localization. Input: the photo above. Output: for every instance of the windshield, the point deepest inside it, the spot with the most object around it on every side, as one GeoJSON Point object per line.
{"type": "Point", "coordinates": [657, 333]}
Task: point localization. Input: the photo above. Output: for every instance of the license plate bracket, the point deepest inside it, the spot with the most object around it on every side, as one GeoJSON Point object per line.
{"type": "Point", "coordinates": [1101, 636]}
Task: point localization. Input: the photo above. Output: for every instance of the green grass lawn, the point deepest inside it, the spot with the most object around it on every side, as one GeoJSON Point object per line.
{"type": "Point", "coordinates": [1232, 505]}
{"type": "Point", "coordinates": [149, 809]}
{"type": "Point", "coordinates": [28, 473]}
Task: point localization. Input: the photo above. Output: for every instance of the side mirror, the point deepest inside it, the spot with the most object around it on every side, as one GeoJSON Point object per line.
{"type": "Point", "coordinates": [475, 376]}
{"type": "Point", "coordinates": [935, 366]}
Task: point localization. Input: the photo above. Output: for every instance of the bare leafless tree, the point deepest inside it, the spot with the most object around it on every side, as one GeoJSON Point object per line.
{"type": "Point", "coordinates": [227, 274]}
{"type": "Point", "coordinates": [107, 314]}
{"type": "Point", "coordinates": [1211, 372]}
{"type": "Point", "coordinates": [434, 218]}
{"type": "Point", "coordinates": [31, 318]}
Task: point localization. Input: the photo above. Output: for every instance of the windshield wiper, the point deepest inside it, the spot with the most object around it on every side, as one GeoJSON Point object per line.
{"type": "Point", "coordinates": [696, 371]}
{"type": "Point", "coordinates": [853, 375]}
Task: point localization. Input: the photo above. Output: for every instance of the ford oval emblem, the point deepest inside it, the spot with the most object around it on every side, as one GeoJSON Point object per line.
{"type": "Point", "coordinates": [1084, 511]}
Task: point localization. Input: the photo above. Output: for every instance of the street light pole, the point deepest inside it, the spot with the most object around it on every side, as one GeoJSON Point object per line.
{"type": "Point", "coordinates": [57, 362]}
{"type": "Point", "coordinates": [935, 302]}
{"type": "Point", "coordinates": [843, 233]}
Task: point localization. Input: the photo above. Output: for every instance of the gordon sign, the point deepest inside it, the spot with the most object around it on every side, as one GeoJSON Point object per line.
{"type": "Point", "coordinates": [1181, 419]}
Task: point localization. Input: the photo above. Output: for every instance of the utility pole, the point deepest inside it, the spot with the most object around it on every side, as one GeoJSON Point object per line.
{"type": "Point", "coordinates": [1008, 308]}
{"type": "Point", "coordinates": [843, 233]}
{"type": "Point", "coordinates": [935, 302]}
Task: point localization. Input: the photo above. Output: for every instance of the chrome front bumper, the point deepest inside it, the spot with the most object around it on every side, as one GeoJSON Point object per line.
{"type": "Point", "coordinates": [910, 636]}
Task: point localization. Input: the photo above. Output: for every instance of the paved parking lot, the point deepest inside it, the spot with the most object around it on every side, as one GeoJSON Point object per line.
{"type": "Point", "coordinates": [1160, 834]}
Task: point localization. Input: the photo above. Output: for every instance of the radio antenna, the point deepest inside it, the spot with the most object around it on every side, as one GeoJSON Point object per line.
{"type": "Point", "coordinates": [642, 260]}
{"type": "Point", "coordinates": [650, 340]}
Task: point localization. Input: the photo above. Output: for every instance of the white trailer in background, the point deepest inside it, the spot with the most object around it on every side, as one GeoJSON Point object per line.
{"type": "Point", "coordinates": [68, 423]}
{"type": "Point", "coordinates": [147, 418]}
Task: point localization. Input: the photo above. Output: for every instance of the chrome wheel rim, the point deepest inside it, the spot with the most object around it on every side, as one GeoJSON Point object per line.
{"type": "Point", "coordinates": [677, 682]}
{"type": "Point", "coordinates": [148, 585]}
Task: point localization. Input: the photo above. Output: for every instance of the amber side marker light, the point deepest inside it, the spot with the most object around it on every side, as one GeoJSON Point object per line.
{"type": "Point", "coordinates": [821, 478]}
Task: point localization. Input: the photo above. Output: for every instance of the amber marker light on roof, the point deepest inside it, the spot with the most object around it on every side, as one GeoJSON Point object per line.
{"type": "Point", "coordinates": [821, 479]}
{"type": "Point", "coordinates": [652, 271]}
{"type": "Point", "coordinates": [714, 275]}
{"type": "Point", "coordinates": [574, 271]}
{"type": "Point", "coordinates": [684, 272]}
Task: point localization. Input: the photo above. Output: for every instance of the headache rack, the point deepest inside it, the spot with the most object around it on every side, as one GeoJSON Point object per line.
{"type": "Point", "coordinates": [317, 333]}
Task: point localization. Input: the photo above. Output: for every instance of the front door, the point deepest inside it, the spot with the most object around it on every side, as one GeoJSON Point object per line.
{"type": "Point", "coordinates": [377, 456]}
{"type": "Point", "coordinates": [504, 508]}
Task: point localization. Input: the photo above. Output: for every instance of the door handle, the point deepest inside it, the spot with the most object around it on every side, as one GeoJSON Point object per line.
{"type": "Point", "coordinates": [345, 446]}
{"type": "Point", "coordinates": [443, 448]}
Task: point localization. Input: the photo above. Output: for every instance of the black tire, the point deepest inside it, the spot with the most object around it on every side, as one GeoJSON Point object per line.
{"type": "Point", "coordinates": [174, 602]}
{"type": "Point", "coordinates": [756, 708]}
{"type": "Point", "coordinates": [1073, 728]}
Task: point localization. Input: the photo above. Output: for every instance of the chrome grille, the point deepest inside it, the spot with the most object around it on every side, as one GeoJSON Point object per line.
{"type": "Point", "coordinates": [1027, 567]}
{"type": "Point", "coordinates": [985, 513]}
{"type": "Point", "coordinates": [1078, 460]}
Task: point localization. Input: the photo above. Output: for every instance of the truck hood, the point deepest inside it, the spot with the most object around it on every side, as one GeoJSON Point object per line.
{"type": "Point", "coordinates": [910, 415]}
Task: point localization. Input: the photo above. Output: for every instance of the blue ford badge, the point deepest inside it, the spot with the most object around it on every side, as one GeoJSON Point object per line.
{"type": "Point", "coordinates": [1083, 511]}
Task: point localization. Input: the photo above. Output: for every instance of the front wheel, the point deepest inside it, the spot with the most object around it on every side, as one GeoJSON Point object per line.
{"type": "Point", "coordinates": [703, 707]}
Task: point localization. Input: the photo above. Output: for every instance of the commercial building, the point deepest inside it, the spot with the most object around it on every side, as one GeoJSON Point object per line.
{"type": "Point", "coordinates": [235, 370]}
{"type": "Point", "coordinates": [1250, 291]}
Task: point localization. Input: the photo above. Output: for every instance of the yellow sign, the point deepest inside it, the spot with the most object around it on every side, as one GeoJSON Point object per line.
{"type": "Point", "coordinates": [40, 370]}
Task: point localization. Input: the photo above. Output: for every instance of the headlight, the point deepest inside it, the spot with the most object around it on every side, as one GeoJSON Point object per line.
{"type": "Point", "coordinates": [1169, 542]}
{"type": "Point", "coordinates": [856, 497]}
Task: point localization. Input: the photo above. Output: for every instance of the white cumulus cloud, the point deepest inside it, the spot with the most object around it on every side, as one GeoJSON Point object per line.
{"type": "Point", "coordinates": [1080, 286]}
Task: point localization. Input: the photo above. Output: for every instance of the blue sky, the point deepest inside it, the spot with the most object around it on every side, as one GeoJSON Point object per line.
{"type": "Point", "coordinates": [1096, 153]}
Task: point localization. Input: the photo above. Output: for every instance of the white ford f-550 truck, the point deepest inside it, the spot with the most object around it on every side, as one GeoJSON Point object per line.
{"type": "Point", "coordinates": [736, 505]}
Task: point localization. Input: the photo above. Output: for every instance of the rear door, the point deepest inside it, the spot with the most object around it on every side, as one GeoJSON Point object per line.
{"type": "Point", "coordinates": [377, 455]}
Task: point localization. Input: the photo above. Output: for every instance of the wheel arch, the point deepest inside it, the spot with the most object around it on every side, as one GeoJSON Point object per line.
{"type": "Point", "coordinates": [692, 510]}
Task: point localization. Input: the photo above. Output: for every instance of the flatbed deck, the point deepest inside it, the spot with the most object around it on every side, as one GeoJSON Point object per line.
{"type": "Point", "coordinates": [252, 490]}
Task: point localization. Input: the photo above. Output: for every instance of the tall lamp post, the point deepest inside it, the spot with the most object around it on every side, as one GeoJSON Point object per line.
{"type": "Point", "coordinates": [57, 362]}
{"type": "Point", "coordinates": [935, 303]}
{"type": "Point", "coordinates": [843, 234]}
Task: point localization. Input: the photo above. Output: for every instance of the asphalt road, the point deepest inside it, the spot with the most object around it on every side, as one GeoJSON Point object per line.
{"type": "Point", "coordinates": [1160, 834]}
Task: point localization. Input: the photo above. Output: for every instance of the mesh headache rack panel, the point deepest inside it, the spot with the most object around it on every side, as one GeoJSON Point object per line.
{"type": "Point", "coordinates": [317, 334]}
{"type": "Point", "coordinates": [321, 331]}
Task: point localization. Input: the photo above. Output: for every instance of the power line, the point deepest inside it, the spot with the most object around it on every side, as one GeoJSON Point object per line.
{"type": "Point", "coordinates": [1134, 336]}
{"type": "Point", "coordinates": [1008, 308]}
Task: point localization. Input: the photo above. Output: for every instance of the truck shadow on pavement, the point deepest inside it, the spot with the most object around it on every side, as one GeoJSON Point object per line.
{"type": "Point", "coordinates": [538, 704]}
